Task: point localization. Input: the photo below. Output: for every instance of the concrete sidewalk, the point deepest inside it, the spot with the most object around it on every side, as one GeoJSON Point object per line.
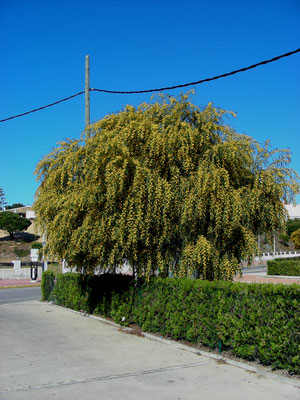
{"type": "Point", "coordinates": [262, 277]}
{"type": "Point", "coordinates": [49, 352]}
{"type": "Point", "coordinates": [6, 283]}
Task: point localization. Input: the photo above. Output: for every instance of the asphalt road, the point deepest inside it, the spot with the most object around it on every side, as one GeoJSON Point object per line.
{"type": "Point", "coordinates": [254, 269]}
{"type": "Point", "coordinates": [14, 295]}
{"type": "Point", "coordinates": [47, 352]}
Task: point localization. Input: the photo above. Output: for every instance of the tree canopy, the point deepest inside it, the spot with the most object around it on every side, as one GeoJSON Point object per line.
{"type": "Point", "coordinates": [14, 205]}
{"type": "Point", "coordinates": [292, 225]}
{"type": "Point", "coordinates": [13, 222]}
{"type": "Point", "coordinates": [167, 187]}
{"type": "Point", "coordinates": [2, 199]}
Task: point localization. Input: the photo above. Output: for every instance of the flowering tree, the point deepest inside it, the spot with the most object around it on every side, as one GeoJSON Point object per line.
{"type": "Point", "coordinates": [167, 187]}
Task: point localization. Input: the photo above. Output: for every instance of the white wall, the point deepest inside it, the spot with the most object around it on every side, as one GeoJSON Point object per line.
{"type": "Point", "coordinates": [24, 273]}
{"type": "Point", "coordinates": [293, 211]}
{"type": "Point", "coordinates": [30, 214]}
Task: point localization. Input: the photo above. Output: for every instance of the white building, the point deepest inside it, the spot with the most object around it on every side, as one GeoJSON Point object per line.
{"type": "Point", "coordinates": [293, 211]}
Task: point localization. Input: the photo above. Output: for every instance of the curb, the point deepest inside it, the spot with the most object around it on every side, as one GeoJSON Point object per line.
{"type": "Point", "coordinates": [283, 276]}
{"type": "Point", "coordinates": [251, 368]}
{"type": "Point", "coordinates": [17, 286]}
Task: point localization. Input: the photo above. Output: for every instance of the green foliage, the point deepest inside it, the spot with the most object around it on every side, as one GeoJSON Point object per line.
{"type": "Point", "coordinates": [292, 225]}
{"type": "Point", "coordinates": [21, 252]}
{"type": "Point", "coordinates": [254, 322]}
{"type": "Point", "coordinates": [12, 222]}
{"type": "Point", "coordinates": [165, 187]}
{"type": "Point", "coordinates": [284, 237]}
{"type": "Point", "coordinates": [295, 238]}
{"type": "Point", "coordinates": [47, 284]}
{"type": "Point", "coordinates": [55, 267]}
{"type": "Point", "coordinates": [2, 199]}
{"type": "Point", "coordinates": [37, 245]}
{"type": "Point", "coordinates": [287, 268]}
{"type": "Point", "coordinates": [90, 293]}
{"type": "Point", "coordinates": [15, 205]}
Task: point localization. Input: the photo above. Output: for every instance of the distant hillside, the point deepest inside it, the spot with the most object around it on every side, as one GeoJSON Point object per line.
{"type": "Point", "coordinates": [280, 245]}
{"type": "Point", "coordinates": [19, 248]}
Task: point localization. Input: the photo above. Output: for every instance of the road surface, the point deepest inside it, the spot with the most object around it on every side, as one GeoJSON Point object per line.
{"type": "Point", "coordinates": [20, 294]}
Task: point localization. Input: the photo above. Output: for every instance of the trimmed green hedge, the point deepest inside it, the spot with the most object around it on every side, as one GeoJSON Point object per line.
{"type": "Point", "coordinates": [88, 292]}
{"type": "Point", "coordinates": [252, 321]}
{"type": "Point", "coordinates": [47, 284]}
{"type": "Point", "coordinates": [286, 267]}
{"type": "Point", "coordinates": [287, 259]}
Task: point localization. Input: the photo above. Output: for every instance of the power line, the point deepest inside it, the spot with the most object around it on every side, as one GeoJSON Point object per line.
{"type": "Point", "coordinates": [41, 108]}
{"type": "Point", "coordinates": [160, 89]}
{"type": "Point", "coordinates": [202, 80]}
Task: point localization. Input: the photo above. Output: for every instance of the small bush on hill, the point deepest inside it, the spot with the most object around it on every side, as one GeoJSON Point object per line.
{"type": "Point", "coordinates": [37, 245]}
{"type": "Point", "coordinates": [21, 252]}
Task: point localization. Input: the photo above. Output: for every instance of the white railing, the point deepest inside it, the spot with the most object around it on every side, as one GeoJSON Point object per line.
{"type": "Point", "coordinates": [278, 254]}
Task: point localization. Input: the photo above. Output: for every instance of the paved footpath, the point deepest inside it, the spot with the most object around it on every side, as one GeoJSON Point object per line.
{"type": "Point", "coordinates": [48, 352]}
{"type": "Point", "coordinates": [264, 278]}
{"type": "Point", "coordinates": [5, 283]}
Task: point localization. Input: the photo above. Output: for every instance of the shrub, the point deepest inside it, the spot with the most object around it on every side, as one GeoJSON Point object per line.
{"type": "Point", "coordinates": [292, 225]}
{"type": "Point", "coordinates": [295, 238]}
{"type": "Point", "coordinates": [88, 292]}
{"type": "Point", "coordinates": [287, 268]}
{"type": "Point", "coordinates": [37, 245]}
{"type": "Point", "coordinates": [47, 284]}
{"type": "Point", "coordinates": [284, 237]}
{"type": "Point", "coordinates": [254, 322]}
{"type": "Point", "coordinates": [21, 252]}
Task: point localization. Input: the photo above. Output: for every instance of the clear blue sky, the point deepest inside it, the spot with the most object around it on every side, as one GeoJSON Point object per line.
{"type": "Point", "coordinates": [138, 45]}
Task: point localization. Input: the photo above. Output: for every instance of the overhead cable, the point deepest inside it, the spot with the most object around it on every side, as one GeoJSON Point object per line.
{"type": "Point", "coordinates": [41, 108]}
{"type": "Point", "coordinates": [162, 88]}
{"type": "Point", "coordinates": [201, 81]}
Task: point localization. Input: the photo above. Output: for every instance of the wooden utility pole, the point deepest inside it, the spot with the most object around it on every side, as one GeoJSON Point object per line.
{"type": "Point", "coordinates": [87, 94]}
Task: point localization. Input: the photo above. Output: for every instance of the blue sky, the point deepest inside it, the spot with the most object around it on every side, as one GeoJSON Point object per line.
{"type": "Point", "coordinates": [135, 45]}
